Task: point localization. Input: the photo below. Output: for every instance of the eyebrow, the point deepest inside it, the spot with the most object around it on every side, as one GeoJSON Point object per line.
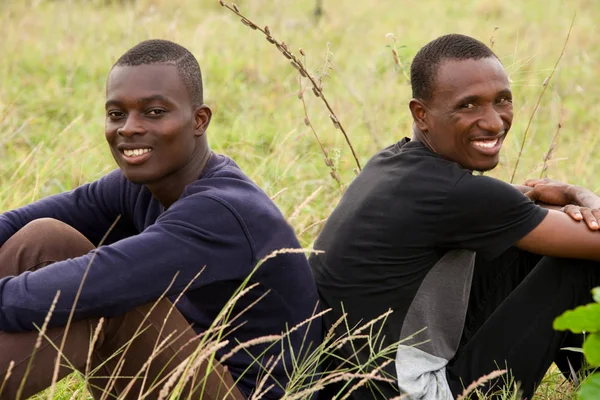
{"type": "Point", "coordinates": [466, 99]}
{"type": "Point", "coordinates": [142, 101]}
{"type": "Point", "coordinates": [474, 98]}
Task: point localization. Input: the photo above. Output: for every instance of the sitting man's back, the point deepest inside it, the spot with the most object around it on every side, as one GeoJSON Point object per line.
{"type": "Point", "coordinates": [448, 251]}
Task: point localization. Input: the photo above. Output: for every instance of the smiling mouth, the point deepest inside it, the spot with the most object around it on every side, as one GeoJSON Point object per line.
{"type": "Point", "coordinates": [136, 156]}
{"type": "Point", "coordinates": [136, 152]}
{"type": "Point", "coordinates": [485, 144]}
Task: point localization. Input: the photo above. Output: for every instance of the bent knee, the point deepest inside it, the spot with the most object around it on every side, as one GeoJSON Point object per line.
{"type": "Point", "coordinates": [55, 237]}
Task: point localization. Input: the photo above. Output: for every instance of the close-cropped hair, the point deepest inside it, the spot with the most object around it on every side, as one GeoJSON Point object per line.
{"type": "Point", "coordinates": [158, 51]}
{"type": "Point", "coordinates": [424, 67]}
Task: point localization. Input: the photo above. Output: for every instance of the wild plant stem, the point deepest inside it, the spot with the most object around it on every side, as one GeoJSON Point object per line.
{"type": "Point", "coordinates": [545, 86]}
{"type": "Point", "coordinates": [307, 122]}
{"type": "Point", "coordinates": [550, 152]}
{"type": "Point", "coordinates": [296, 63]}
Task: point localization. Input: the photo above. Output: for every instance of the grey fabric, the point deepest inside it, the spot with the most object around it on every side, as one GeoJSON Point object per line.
{"type": "Point", "coordinates": [433, 327]}
{"type": "Point", "coordinates": [421, 376]}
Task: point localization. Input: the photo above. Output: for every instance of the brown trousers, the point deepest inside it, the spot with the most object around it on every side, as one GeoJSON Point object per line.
{"type": "Point", "coordinates": [45, 241]}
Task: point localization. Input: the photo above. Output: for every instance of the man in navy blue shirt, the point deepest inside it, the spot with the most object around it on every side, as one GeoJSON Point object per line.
{"type": "Point", "coordinates": [175, 219]}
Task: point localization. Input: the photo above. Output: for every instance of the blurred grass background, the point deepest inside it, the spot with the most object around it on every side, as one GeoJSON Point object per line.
{"type": "Point", "coordinates": [55, 56]}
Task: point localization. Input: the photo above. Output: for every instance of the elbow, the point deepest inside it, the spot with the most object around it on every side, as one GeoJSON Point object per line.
{"type": "Point", "coordinates": [9, 323]}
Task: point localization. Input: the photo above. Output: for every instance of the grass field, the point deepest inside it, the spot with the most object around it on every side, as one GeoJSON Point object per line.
{"type": "Point", "coordinates": [55, 56]}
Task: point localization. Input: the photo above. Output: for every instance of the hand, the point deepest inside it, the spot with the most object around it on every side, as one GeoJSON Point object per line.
{"type": "Point", "coordinates": [551, 192]}
{"type": "Point", "coordinates": [590, 216]}
{"type": "Point", "coordinates": [557, 193]}
{"type": "Point", "coordinates": [586, 205]}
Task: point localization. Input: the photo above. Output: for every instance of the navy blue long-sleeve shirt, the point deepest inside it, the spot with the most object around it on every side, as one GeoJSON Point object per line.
{"type": "Point", "coordinates": [222, 222]}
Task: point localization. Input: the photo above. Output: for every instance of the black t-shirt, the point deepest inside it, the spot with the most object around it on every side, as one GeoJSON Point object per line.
{"type": "Point", "coordinates": [406, 209]}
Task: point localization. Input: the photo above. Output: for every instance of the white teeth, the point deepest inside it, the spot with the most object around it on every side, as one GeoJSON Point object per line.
{"type": "Point", "coordinates": [136, 152]}
{"type": "Point", "coordinates": [487, 144]}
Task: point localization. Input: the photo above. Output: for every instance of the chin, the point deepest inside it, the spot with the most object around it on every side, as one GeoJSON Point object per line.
{"type": "Point", "coordinates": [481, 165]}
{"type": "Point", "coordinates": [136, 177]}
{"type": "Point", "coordinates": [484, 167]}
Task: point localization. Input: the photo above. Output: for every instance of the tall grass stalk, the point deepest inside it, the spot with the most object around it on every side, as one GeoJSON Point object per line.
{"type": "Point", "coordinates": [553, 142]}
{"type": "Point", "coordinates": [317, 87]}
{"type": "Point", "coordinates": [535, 108]}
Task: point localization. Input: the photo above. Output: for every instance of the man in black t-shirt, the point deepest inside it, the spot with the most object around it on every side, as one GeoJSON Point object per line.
{"type": "Point", "coordinates": [466, 262]}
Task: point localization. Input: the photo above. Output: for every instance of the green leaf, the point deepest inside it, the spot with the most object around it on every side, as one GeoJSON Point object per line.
{"type": "Point", "coordinates": [590, 389]}
{"type": "Point", "coordinates": [596, 294]}
{"type": "Point", "coordinates": [582, 319]}
{"type": "Point", "coordinates": [591, 349]}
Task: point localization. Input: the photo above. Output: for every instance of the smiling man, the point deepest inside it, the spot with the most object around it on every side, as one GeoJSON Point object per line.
{"type": "Point", "coordinates": [175, 219]}
{"type": "Point", "coordinates": [469, 264]}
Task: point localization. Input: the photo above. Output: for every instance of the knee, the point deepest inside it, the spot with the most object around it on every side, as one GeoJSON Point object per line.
{"type": "Point", "coordinates": [581, 274]}
{"type": "Point", "coordinates": [54, 238]}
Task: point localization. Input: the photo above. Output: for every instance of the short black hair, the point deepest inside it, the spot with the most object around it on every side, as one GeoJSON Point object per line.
{"type": "Point", "coordinates": [424, 67]}
{"type": "Point", "coordinates": [158, 51]}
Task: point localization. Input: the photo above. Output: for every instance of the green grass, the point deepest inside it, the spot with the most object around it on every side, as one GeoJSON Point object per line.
{"type": "Point", "coordinates": [56, 55]}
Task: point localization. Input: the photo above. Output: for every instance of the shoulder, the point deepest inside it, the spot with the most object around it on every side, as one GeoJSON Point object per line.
{"type": "Point", "coordinates": [483, 187]}
{"type": "Point", "coordinates": [407, 170]}
{"type": "Point", "coordinates": [225, 186]}
{"type": "Point", "coordinates": [415, 159]}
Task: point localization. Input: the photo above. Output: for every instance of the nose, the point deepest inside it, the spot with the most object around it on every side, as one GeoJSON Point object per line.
{"type": "Point", "coordinates": [491, 120]}
{"type": "Point", "coordinates": [132, 126]}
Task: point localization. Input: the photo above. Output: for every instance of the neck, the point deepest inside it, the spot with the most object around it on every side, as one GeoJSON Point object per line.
{"type": "Point", "coordinates": [419, 136]}
{"type": "Point", "coordinates": [171, 187]}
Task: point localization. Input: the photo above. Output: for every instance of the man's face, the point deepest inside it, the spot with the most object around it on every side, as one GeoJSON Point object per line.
{"type": "Point", "coordinates": [151, 125]}
{"type": "Point", "coordinates": [470, 112]}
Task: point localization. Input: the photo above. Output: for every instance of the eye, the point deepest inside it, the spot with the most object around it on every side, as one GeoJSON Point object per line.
{"type": "Point", "coordinates": [504, 101]}
{"type": "Point", "coordinates": [114, 114]}
{"type": "Point", "coordinates": [155, 112]}
{"type": "Point", "coordinates": [467, 106]}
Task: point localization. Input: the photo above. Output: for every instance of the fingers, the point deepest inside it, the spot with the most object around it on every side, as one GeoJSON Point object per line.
{"type": "Point", "coordinates": [589, 218]}
{"type": "Point", "coordinates": [596, 213]}
{"type": "Point", "coordinates": [573, 211]}
{"type": "Point", "coordinates": [543, 181]}
{"type": "Point", "coordinates": [533, 182]}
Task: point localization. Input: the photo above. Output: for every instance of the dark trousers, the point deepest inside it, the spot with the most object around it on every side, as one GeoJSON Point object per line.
{"type": "Point", "coordinates": [45, 241]}
{"type": "Point", "coordinates": [514, 300]}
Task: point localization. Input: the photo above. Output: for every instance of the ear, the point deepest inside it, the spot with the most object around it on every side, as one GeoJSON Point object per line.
{"type": "Point", "coordinates": [202, 116]}
{"type": "Point", "coordinates": [419, 114]}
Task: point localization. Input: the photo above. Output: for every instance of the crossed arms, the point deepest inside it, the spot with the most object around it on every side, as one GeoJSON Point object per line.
{"type": "Point", "coordinates": [569, 234]}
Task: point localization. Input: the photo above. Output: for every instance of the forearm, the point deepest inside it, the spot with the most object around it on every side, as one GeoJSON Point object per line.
{"type": "Point", "coordinates": [171, 253]}
{"type": "Point", "coordinates": [90, 209]}
{"type": "Point", "coordinates": [584, 197]}
{"type": "Point", "coordinates": [64, 207]}
{"type": "Point", "coordinates": [548, 206]}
